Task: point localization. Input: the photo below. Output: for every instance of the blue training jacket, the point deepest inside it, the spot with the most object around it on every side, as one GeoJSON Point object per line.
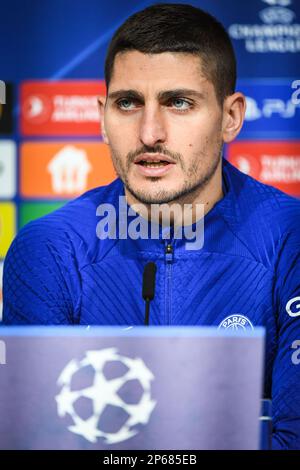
{"type": "Point", "coordinates": [247, 273]}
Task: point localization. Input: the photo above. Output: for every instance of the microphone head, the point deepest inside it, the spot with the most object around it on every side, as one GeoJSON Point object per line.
{"type": "Point", "coordinates": [149, 281]}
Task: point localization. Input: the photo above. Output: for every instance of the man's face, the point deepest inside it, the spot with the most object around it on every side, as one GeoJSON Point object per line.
{"type": "Point", "coordinates": [163, 124]}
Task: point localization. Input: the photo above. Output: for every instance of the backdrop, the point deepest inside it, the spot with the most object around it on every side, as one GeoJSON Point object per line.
{"type": "Point", "coordinates": [51, 66]}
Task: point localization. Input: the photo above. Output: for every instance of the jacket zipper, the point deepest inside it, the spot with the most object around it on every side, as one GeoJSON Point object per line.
{"type": "Point", "coordinates": [169, 255]}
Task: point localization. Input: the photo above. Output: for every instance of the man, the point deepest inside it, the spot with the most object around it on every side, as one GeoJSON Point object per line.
{"type": "Point", "coordinates": [170, 106]}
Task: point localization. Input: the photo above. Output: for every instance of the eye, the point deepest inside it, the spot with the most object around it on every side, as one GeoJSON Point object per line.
{"type": "Point", "coordinates": [126, 104]}
{"type": "Point", "coordinates": [181, 104]}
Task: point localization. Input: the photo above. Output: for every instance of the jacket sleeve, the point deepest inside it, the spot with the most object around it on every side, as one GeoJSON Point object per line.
{"type": "Point", "coordinates": [286, 370]}
{"type": "Point", "coordinates": [41, 283]}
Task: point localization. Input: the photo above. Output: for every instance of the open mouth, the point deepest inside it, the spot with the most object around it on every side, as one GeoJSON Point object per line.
{"type": "Point", "coordinates": [156, 164]}
{"type": "Point", "coordinates": [150, 165]}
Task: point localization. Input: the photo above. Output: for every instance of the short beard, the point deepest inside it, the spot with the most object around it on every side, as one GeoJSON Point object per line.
{"type": "Point", "coordinates": [183, 195]}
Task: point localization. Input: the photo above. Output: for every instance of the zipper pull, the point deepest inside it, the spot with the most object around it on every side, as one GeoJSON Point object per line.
{"type": "Point", "coordinates": [169, 253]}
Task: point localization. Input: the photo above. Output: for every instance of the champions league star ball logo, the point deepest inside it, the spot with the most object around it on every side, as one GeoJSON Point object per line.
{"type": "Point", "coordinates": [119, 388]}
{"type": "Point", "coordinates": [236, 322]}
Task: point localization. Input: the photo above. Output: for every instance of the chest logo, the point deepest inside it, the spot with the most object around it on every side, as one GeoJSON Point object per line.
{"type": "Point", "coordinates": [236, 321]}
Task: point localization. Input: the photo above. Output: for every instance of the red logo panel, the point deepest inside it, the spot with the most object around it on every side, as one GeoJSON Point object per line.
{"type": "Point", "coordinates": [56, 108]}
{"type": "Point", "coordinates": [276, 163]}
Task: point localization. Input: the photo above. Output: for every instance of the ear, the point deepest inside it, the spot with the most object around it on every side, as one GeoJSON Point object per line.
{"type": "Point", "coordinates": [234, 108]}
{"type": "Point", "coordinates": [101, 107]}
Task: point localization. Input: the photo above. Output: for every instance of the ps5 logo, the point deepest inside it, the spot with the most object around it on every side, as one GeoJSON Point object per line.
{"type": "Point", "coordinates": [272, 106]}
{"type": "Point", "coordinates": [2, 92]}
{"type": "Point", "coordinates": [2, 353]}
{"type": "Point", "coordinates": [296, 94]}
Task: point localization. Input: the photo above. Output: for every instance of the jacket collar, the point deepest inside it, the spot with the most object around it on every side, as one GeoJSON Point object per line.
{"type": "Point", "coordinates": [226, 209]}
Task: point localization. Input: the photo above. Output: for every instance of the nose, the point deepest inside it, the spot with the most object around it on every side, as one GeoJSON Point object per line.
{"type": "Point", "coordinates": [152, 127]}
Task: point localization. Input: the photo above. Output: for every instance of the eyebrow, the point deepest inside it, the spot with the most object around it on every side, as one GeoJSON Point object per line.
{"type": "Point", "coordinates": [162, 95]}
{"type": "Point", "coordinates": [122, 93]}
{"type": "Point", "coordinates": [168, 94]}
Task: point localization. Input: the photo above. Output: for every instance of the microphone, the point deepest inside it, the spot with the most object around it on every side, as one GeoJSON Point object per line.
{"type": "Point", "coordinates": [148, 287]}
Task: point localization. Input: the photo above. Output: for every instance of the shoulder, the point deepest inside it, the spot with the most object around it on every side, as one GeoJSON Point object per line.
{"type": "Point", "coordinates": [81, 211]}
{"type": "Point", "coordinates": [261, 216]}
{"type": "Point", "coordinates": [71, 229]}
{"type": "Point", "coordinates": [260, 201]}
{"type": "Point", "coordinates": [77, 215]}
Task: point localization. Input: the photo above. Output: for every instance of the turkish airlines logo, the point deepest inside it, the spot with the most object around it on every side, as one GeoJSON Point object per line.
{"type": "Point", "coordinates": [37, 109]}
{"type": "Point", "coordinates": [273, 163]}
{"type": "Point", "coordinates": [73, 108]}
{"type": "Point", "coordinates": [61, 107]}
{"type": "Point", "coordinates": [270, 168]}
{"type": "Point", "coordinates": [247, 164]}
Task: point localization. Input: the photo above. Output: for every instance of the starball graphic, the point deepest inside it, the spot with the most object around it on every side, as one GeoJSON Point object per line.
{"type": "Point", "coordinates": [122, 400]}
